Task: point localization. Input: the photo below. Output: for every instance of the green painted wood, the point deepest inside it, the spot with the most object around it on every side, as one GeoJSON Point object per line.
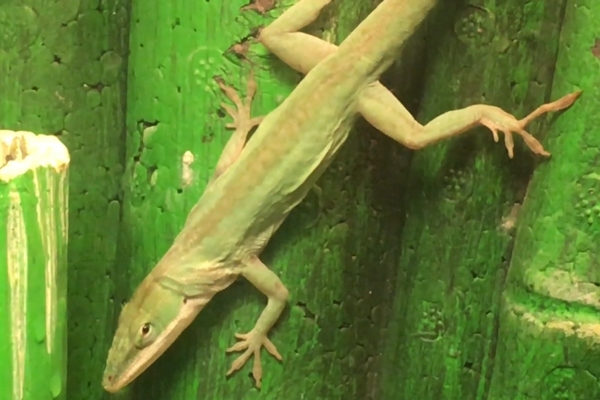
{"type": "Point", "coordinates": [444, 336]}
{"type": "Point", "coordinates": [62, 72]}
{"type": "Point", "coordinates": [33, 258]}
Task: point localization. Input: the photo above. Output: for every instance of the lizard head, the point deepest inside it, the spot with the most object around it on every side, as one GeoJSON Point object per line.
{"type": "Point", "coordinates": [147, 326]}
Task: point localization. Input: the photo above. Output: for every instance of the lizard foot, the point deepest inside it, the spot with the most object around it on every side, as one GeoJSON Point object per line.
{"type": "Point", "coordinates": [241, 116]}
{"type": "Point", "coordinates": [497, 120]}
{"type": "Point", "coordinates": [252, 342]}
{"type": "Point", "coordinates": [500, 121]}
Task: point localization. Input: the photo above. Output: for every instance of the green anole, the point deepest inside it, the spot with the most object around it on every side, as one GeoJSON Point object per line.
{"type": "Point", "coordinates": [257, 182]}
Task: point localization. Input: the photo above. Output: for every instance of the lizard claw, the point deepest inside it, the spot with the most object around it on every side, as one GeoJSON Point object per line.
{"type": "Point", "coordinates": [500, 121]}
{"type": "Point", "coordinates": [252, 342]}
{"type": "Point", "coordinates": [507, 124]}
{"type": "Point", "coordinates": [241, 113]}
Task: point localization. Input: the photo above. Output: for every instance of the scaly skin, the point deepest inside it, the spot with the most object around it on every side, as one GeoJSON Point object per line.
{"type": "Point", "coordinates": [257, 185]}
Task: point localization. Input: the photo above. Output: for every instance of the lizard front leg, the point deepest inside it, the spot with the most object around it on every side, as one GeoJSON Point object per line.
{"type": "Point", "coordinates": [379, 106]}
{"type": "Point", "coordinates": [252, 342]}
{"type": "Point", "coordinates": [242, 123]}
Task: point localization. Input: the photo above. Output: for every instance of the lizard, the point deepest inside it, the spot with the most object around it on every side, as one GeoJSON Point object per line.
{"type": "Point", "coordinates": [258, 181]}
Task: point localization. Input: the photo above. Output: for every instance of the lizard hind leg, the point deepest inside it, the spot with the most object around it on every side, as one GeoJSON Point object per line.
{"type": "Point", "coordinates": [242, 123]}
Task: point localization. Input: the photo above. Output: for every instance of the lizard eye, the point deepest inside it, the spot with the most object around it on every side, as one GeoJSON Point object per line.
{"type": "Point", "coordinates": [145, 329]}
{"type": "Point", "coordinates": [145, 336]}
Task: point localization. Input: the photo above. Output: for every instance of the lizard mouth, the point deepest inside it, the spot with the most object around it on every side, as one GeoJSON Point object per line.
{"type": "Point", "coordinates": [138, 363]}
{"type": "Point", "coordinates": [113, 383]}
{"type": "Point", "coordinates": [119, 374]}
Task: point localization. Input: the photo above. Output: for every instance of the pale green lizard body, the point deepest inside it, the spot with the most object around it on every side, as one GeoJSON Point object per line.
{"type": "Point", "coordinates": [257, 184]}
